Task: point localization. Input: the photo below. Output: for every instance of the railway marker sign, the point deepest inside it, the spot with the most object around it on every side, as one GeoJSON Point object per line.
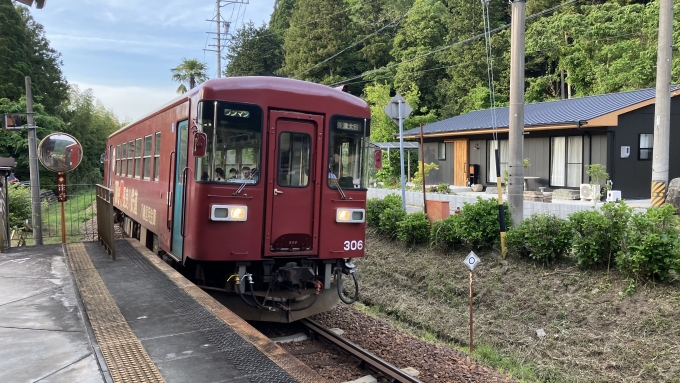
{"type": "Point", "coordinates": [472, 260]}
{"type": "Point", "coordinates": [398, 109]}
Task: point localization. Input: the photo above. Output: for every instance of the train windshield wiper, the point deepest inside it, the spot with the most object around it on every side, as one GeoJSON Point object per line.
{"type": "Point", "coordinates": [337, 185]}
{"type": "Point", "coordinates": [245, 181]}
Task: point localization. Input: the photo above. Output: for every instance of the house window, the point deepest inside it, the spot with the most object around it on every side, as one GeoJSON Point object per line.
{"type": "Point", "coordinates": [646, 146]}
{"type": "Point", "coordinates": [130, 156]}
{"type": "Point", "coordinates": [441, 151]}
{"type": "Point", "coordinates": [147, 157]}
{"type": "Point", "coordinates": [156, 157]}
{"type": "Point", "coordinates": [566, 161]}
{"type": "Point", "coordinates": [503, 153]}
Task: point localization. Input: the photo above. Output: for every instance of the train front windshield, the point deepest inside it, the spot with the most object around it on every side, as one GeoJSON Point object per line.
{"type": "Point", "coordinates": [346, 162]}
{"type": "Point", "coordinates": [234, 145]}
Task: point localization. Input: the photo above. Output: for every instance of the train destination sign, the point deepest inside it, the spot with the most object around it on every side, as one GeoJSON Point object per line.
{"type": "Point", "coordinates": [471, 260]}
{"type": "Point", "coordinates": [237, 113]}
{"type": "Point", "coordinates": [349, 125]}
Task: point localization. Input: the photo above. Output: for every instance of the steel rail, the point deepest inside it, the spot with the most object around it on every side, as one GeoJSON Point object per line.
{"type": "Point", "coordinates": [373, 361]}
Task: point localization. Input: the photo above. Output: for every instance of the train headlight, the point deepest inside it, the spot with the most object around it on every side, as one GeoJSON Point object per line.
{"type": "Point", "coordinates": [228, 213]}
{"type": "Point", "coordinates": [350, 215]}
{"type": "Point", "coordinates": [238, 213]}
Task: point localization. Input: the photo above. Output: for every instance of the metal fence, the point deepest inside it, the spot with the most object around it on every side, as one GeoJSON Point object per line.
{"type": "Point", "coordinates": [105, 219]}
{"type": "Point", "coordinates": [80, 213]}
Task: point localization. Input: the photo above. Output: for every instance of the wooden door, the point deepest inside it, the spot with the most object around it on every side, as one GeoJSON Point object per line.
{"type": "Point", "coordinates": [460, 162]}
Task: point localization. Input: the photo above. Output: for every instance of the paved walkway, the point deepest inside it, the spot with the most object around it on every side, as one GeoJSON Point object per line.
{"type": "Point", "coordinates": [42, 332]}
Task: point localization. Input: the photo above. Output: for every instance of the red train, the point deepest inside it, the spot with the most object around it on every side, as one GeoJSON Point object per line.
{"type": "Point", "coordinates": [254, 186]}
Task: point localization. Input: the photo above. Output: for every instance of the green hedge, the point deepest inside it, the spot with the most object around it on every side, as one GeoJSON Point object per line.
{"type": "Point", "coordinates": [540, 237]}
{"type": "Point", "coordinates": [414, 229]}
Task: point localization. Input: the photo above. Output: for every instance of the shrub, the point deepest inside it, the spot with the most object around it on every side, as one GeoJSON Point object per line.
{"type": "Point", "coordinates": [651, 246]}
{"type": "Point", "coordinates": [540, 237]}
{"type": "Point", "coordinates": [442, 188]}
{"type": "Point", "coordinates": [444, 233]}
{"type": "Point", "coordinates": [19, 205]}
{"type": "Point", "coordinates": [415, 228]}
{"type": "Point", "coordinates": [418, 176]}
{"type": "Point", "coordinates": [478, 225]}
{"type": "Point", "coordinates": [374, 207]}
{"type": "Point", "coordinates": [392, 200]}
{"type": "Point", "coordinates": [389, 220]}
{"type": "Point", "coordinates": [598, 234]}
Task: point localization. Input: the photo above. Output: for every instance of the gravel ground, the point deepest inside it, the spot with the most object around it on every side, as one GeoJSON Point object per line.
{"type": "Point", "coordinates": [436, 363]}
{"type": "Point", "coordinates": [89, 230]}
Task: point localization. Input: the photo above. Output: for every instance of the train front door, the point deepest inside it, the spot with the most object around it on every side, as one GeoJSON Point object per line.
{"type": "Point", "coordinates": [178, 198]}
{"type": "Point", "coordinates": [293, 179]}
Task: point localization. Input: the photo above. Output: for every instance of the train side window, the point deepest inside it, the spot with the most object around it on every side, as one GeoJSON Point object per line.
{"type": "Point", "coordinates": [157, 157]}
{"type": "Point", "coordinates": [294, 159]}
{"type": "Point", "coordinates": [130, 156]}
{"type": "Point", "coordinates": [117, 160]}
{"type": "Point", "coordinates": [147, 158]}
{"type": "Point", "coordinates": [123, 160]}
{"type": "Point", "coordinates": [138, 158]}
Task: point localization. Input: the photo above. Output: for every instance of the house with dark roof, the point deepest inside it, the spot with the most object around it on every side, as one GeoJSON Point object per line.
{"type": "Point", "coordinates": [560, 139]}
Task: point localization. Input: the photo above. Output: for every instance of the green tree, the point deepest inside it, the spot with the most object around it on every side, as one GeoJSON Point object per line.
{"type": "Point", "coordinates": [90, 123]}
{"type": "Point", "coordinates": [466, 63]}
{"type": "Point", "coordinates": [280, 17]}
{"type": "Point", "coordinates": [254, 52]}
{"type": "Point", "coordinates": [423, 30]}
{"type": "Point", "coordinates": [48, 85]}
{"type": "Point", "coordinates": [14, 61]}
{"type": "Point", "coordinates": [190, 72]}
{"type": "Point", "coordinates": [318, 30]}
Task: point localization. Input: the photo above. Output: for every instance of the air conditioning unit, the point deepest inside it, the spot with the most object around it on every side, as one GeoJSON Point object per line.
{"type": "Point", "coordinates": [586, 192]}
{"type": "Point", "coordinates": [613, 195]}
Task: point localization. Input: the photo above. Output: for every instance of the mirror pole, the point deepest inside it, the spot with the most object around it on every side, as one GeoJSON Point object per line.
{"type": "Point", "coordinates": [36, 220]}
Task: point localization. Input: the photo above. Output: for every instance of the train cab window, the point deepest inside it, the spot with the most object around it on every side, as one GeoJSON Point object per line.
{"type": "Point", "coordinates": [157, 157]}
{"type": "Point", "coordinates": [294, 158]}
{"type": "Point", "coordinates": [234, 142]}
{"type": "Point", "coordinates": [123, 160]}
{"type": "Point", "coordinates": [147, 158]}
{"type": "Point", "coordinates": [138, 158]}
{"type": "Point", "coordinates": [130, 156]}
{"type": "Point", "coordinates": [346, 166]}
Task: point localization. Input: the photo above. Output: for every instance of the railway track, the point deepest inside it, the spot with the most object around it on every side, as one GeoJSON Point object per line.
{"type": "Point", "coordinates": [369, 360]}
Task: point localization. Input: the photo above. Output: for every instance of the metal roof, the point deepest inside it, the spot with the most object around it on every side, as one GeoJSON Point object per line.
{"type": "Point", "coordinates": [543, 113]}
{"type": "Point", "coordinates": [395, 145]}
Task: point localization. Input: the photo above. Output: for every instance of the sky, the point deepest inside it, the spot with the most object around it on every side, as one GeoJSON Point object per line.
{"type": "Point", "coordinates": [123, 50]}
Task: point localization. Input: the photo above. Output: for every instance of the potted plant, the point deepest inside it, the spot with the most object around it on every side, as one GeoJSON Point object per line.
{"type": "Point", "coordinates": [598, 177]}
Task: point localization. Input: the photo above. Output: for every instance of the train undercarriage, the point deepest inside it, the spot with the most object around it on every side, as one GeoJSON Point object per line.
{"type": "Point", "coordinates": [283, 289]}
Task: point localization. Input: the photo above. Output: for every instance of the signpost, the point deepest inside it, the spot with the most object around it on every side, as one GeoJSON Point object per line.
{"type": "Point", "coordinates": [471, 261]}
{"type": "Point", "coordinates": [398, 110]}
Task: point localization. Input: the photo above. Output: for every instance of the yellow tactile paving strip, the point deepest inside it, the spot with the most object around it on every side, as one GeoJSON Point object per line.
{"type": "Point", "coordinates": [298, 370]}
{"type": "Point", "coordinates": [124, 355]}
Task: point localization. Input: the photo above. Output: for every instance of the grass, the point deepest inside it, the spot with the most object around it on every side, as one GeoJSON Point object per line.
{"type": "Point", "coordinates": [597, 329]}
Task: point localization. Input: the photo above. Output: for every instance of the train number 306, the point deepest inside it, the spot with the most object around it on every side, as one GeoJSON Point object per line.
{"type": "Point", "coordinates": [354, 245]}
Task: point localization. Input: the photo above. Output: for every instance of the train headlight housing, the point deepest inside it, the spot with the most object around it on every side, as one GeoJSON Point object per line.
{"type": "Point", "coordinates": [350, 215]}
{"type": "Point", "coordinates": [228, 213]}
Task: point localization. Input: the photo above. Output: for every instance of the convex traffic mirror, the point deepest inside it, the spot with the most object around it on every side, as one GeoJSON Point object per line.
{"type": "Point", "coordinates": [60, 152]}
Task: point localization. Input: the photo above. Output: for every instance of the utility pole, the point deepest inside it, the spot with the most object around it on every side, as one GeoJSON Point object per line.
{"type": "Point", "coordinates": [662, 108]}
{"type": "Point", "coordinates": [219, 40]}
{"type": "Point", "coordinates": [516, 132]}
{"type": "Point", "coordinates": [33, 167]}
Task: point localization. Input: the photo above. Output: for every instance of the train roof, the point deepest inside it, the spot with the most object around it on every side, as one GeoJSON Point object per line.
{"type": "Point", "coordinates": [276, 88]}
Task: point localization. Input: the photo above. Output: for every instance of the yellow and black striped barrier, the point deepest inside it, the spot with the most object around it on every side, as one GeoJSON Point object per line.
{"type": "Point", "coordinates": [658, 193]}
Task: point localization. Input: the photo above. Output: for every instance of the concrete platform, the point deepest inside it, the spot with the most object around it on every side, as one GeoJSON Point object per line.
{"type": "Point", "coordinates": [185, 334]}
{"type": "Point", "coordinates": [43, 334]}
